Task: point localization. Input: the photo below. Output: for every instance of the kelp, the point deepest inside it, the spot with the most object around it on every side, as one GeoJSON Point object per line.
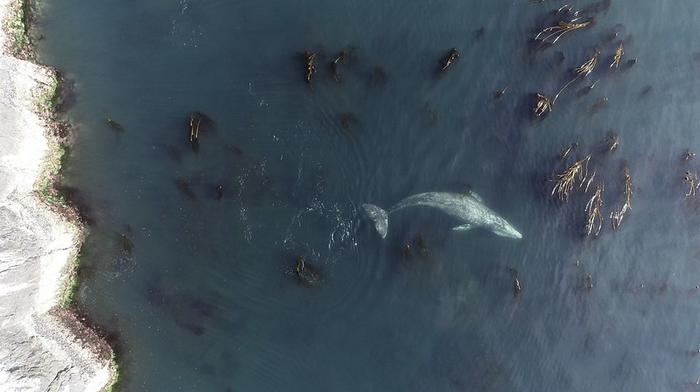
{"type": "Point", "coordinates": [197, 123]}
{"type": "Point", "coordinates": [517, 285]}
{"type": "Point", "coordinates": [581, 71]}
{"type": "Point", "coordinates": [341, 58]}
{"type": "Point", "coordinates": [691, 180]}
{"type": "Point", "coordinates": [500, 93]}
{"type": "Point", "coordinates": [617, 57]}
{"type": "Point", "coordinates": [194, 125]}
{"type": "Point", "coordinates": [566, 181]}
{"type": "Point", "coordinates": [589, 181]}
{"type": "Point", "coordinates": [570, 21]}
{"type": "Point", "coordinates": [543, 105]}
{"type": "Point", "coordinates": [306, 273]}
{"type": "Point", "coordinates": [567, 151]}
{"type": "Point", "coordinates": [594, 213]}
{"type": "Point", "coordinates": [310, 58]}
{"type": "Point", "coordinates": [617, 216]}
{"type": "Point", "coordinates": [613, 143]}
{"type": "Point", "coordinates": [449, 59]}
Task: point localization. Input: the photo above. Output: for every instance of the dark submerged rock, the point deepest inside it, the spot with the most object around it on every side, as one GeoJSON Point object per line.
{"type": "Point", "coordinates": [113, 125]}
{"type": "Point", "coordinates": [646, 90]}
{"type": "Point", "coordinates": [480, 33]}
{"type": "Point", "coordinates": [421, 246]}
{"type": "Point", "coordinates": [599, 105]}
{"type": "Point", "coordinates": [77, 200]}
{"type": "Point", "coordinates": [347, 120]}
{"type": "Point", "coordinates": [184, 187]}
{"type": "Point", "coordinates": [127, 246]}
{"type": "Point", "coordinates": [306, 273]}
{"type": "Point", "coordinates": [406, 252]}
{"type": "Point", "coordinates": [377, 75]}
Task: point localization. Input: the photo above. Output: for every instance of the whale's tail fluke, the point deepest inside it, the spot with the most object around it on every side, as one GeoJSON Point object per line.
{"type": "Point", "coordinates": [379, 217]}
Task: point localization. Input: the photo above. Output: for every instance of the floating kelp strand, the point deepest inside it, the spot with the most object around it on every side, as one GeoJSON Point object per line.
{"type": "Point", "coordinates": [572, 22]}
{"type": "Point", "coordinates": [449, 59]}
{"type": "Point", "coordinates": [691, 180]}
{"type": "Point", "coordinates": [617, 57]}
{"type": "Point", "coordinates": [194, 127]}
{"type": "Point", "coordinates": [310, 58]}
{"type": "Point", "coordinates": [566, 181]}
{"type": "Point", "coordinates": [581, 71]}
{"type": "Point", "coordinates": [589, 181]}
{"type": "Point", "coordinates": [500, 93]}
{"type": "Point", "coordinates": [567, 151]}
{"type": "Point", "coordinates": [594, 213]}
{"type": "Point", "coordinates": [543, 105]}
{"type": "Point", "coordinates": [517, 285]}
{"type": "Point", "coordinates": [613, 143]}
{"type": "Point", "coordinates": [341, 58]}
{"type": "Point", "coordinates": [617, 216]}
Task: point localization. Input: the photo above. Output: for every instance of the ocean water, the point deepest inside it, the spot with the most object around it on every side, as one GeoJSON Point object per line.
{"type": "Point", "coordinates": [202, 295]}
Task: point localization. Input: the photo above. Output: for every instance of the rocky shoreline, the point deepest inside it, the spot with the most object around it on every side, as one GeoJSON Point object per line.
{"type": "Point", "coordinates": [44, 346]}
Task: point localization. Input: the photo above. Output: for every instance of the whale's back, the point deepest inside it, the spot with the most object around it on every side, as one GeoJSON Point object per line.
{"type": "Point", "coordinates": [467, 208]}
{"type": "Point", "coordinates": [460, 206]}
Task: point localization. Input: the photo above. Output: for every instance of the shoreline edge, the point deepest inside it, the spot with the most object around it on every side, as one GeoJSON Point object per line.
{"type": "Point", "coordinates": [47, 344]}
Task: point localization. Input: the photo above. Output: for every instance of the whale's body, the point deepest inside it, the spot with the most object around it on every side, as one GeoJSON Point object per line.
{"type": "Point", "coordinates": [466, 208]}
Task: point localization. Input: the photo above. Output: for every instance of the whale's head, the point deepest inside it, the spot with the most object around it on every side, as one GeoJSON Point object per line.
{"type": "Point", "coordinates": [504, 229]}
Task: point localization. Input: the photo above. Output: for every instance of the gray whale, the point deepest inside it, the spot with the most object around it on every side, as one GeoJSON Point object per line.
{"type": "Point", "coordinates": [467, 208]}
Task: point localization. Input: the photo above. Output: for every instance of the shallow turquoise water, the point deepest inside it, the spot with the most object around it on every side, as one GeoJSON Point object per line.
{"type": "Point", "coordinates": [208, 300]}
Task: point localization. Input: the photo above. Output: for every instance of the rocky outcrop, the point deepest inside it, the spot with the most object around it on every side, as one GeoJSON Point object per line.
{"type": "Point", "coordinates": [42, 348]}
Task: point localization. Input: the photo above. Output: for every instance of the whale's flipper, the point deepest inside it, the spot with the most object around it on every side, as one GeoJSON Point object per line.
{"type": "Point", "coordinates": [463, 227]}
{"type": "Point", "coordinates": [379, 217]}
